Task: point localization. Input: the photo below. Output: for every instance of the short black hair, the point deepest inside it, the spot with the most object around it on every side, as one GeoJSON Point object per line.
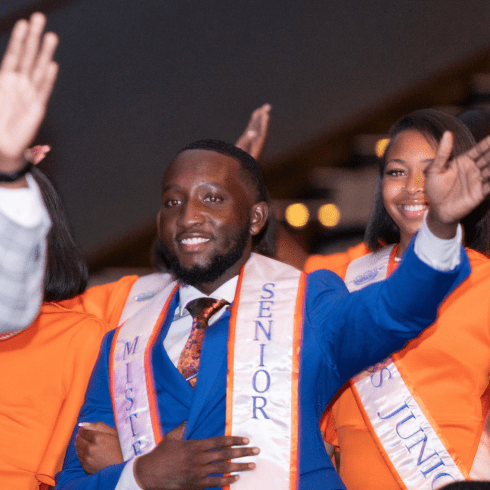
{"type": "Point", "coordinates": [431, 123]}
{"type": "Point", "coordinates": [251, 174]}
{"type": "Point", "coordinates": [66, 269]}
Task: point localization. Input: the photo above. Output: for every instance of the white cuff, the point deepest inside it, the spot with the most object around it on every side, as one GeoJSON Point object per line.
{"type": "Point", "coordinates": [440, 254]}
{"type": "Point", "coordinates": [127, 480]}
{"type": "Point", "coordinates": [25, 205]}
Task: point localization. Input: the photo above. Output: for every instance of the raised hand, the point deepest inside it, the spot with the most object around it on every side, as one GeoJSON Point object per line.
{"type": "Point", "coordinates": [27, 76]}
{"type": "Point", "coordinates": [185, 465]}
{"type": "Point", "coordinates": [97, 447]}
{"type": "Point", "coordinates": [253, 138]}
{"type": "Point", "coordinates": [456, 187]}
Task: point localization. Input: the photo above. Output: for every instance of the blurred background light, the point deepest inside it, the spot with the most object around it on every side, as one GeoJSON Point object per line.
{"type": "Point", "coordinates": [329, 215]}
{"type": "Point", "coordinates": [297, 215]}
{"type": "Point", "coordinates": [381, 147]}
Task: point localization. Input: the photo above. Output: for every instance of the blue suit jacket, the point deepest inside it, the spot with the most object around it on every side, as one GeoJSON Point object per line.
{"type": "Point", "coordinates": [342, 334]}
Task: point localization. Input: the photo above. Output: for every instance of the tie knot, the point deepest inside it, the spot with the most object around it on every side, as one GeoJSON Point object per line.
{"type": "Point", "coordinates": [205, 308]}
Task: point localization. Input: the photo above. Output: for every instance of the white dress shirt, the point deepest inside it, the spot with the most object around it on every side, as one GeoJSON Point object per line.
{"type": "Point", "coordinates": [23, 205]}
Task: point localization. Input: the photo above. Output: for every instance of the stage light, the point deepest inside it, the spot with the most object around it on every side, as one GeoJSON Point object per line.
{"type": "Point", "coordinates": [381, 147]}
{"type": "Point", "coordinates": [329, 215]}
{"type": "Point", "coordinates": [297, 215]}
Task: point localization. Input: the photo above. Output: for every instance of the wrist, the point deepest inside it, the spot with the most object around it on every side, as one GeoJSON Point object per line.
{"type": "Point", "coordinates": [442, 230]}
{"type": "Point", "coordinates": [17, 178]}
{"type": "Point", "coordinates": [11, 164]}
{"type": "Point", "coordinates": [135, 472]}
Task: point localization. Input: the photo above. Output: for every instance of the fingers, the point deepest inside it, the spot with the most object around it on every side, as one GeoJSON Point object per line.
{"type": "Point", "coordinates": [220, 442]}
{"type": "Point", "coordinates": [443, 152]}
{"type": "Point", "coordinates": [480, 150]}
{"type": "Point", "coordinates": [32, 41]}
{"type": "Point", "coordinates": [258, 120]}
{"type": "Point", "coordinates": [253, 138]}
{"type": "Point", "coordinates": [225, 467]}
{"type": "Point", "coordinates": [86, 434]}
{"type": "Point", "coordinates": [98, 427]}
{"type": "Point", "coordinates": [219, 481]}
{"type": "Point", "coordinates": [47, 83]}
{"type": "Point", "coordinates": [12, 56]}
{"type": "Point", "coordinates": [228, 453]}
{"type": "Point", "coordinates": [26, 54]}
{"type": "Point", "coordinates": [43, 65]}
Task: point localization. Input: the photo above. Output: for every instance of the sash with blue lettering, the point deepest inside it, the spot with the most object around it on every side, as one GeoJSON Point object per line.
{"type": "Point", "coordinates": [406, 434]}
{"type": "Point", "coordinates": [263, 369]}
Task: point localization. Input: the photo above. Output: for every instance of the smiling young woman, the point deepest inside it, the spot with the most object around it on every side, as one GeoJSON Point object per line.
{"type": "Point", "coordinates": [443, 373]}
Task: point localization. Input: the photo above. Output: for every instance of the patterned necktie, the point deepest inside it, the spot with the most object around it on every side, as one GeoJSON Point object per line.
{"type": "Point", "coordinates": [201, 309]}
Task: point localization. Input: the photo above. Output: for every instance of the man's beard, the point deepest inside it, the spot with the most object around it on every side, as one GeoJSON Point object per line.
{"type": "Point", "coordinates": [202, 274]}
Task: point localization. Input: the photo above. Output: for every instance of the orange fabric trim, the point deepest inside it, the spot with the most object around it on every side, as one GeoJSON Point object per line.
{"type": "Point", "coordinates": [231, 354]}
{"type": "Point", "coordinates": [387, 460]}
{"type": "Point", "coordinates": [150, 381]}
{"type": "Point", "coordinates": [391, 267]}
{"type": "Point", "coordinates": [298, 325]}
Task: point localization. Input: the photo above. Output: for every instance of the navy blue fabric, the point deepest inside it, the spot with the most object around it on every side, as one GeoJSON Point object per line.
{"type": "Point", "coordinates": [342, 334]}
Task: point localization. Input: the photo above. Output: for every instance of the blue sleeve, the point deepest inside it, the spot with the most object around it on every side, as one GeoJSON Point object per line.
{"type": "Point", "coordinates": [356, 330]}
{"type": "Point", "coordinates": [97, 407]}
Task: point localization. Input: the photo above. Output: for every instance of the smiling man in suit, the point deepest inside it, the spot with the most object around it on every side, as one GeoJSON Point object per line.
{"type": "Point", "coordinates": [269, 363]}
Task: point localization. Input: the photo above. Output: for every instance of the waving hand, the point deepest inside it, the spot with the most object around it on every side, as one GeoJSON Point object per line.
{"type": "Point", "coordinates": [27, 76]}
{"type": "Point", "coordinates": [456, 187]}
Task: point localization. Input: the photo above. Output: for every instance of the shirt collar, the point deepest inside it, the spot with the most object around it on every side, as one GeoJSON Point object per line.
{"type": "Point", "coordinates": [188, 293]}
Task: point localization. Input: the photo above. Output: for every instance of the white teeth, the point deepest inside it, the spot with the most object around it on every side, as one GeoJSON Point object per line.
{"type": "Point", "coordinates": [415, 207]}
{"type": "Point", "coordinates": [194, 241]}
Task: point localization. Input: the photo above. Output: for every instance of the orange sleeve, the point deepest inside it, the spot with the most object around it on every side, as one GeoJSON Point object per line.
{"type": "Point", "coordinates": [327, 426]}
{"type": "Point", "coordinates": [106, 302]}
{"type": "Point", "coordinates": [76, 363]}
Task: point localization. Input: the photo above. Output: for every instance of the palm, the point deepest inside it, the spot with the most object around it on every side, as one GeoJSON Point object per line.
{"type": "Point", "coordinates": [454, 191]}
{"type": "Point", "coordinates": [27, 76]}
{"type": "Point", "coordinates": [21, 114]}
{"type": "Point", "coordinates": [454, 188]}
{"type": "Point", "coordinates": [253, 138]}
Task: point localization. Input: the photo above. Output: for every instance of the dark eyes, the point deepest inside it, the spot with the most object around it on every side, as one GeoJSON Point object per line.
{"type": "Point", "coordinates": [395, 172]}
{"type": "Point", "coordinates": [171, 202]}
{"type": "Point", "coordinates": [213, 199]}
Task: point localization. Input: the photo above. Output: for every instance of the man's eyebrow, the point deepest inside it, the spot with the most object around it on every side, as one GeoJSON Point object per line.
{"type": "Point", "coordinates": [206, 183]}
{"type": "Point", "coordinates": [170, 187]}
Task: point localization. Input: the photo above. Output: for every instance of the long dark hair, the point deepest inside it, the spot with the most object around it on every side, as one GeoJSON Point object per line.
{"type": "Point", "coordinates": [66, 270]}
{"type": "Point", "coordinates": [381, 229]}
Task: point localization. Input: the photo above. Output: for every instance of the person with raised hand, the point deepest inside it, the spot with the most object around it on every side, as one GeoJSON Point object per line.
{"type": "Point", "coordinates": [184, 403]}
{"type": "Point", "coordinates": [27, 76]}
{"type": "Point", "coordinates": [439, 381]}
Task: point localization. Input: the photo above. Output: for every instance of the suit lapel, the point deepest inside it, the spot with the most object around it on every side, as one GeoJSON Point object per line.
{"type": "Point", "coordinates": [166, 376]}
{"type": "Point", "coordinates": [213, 356]}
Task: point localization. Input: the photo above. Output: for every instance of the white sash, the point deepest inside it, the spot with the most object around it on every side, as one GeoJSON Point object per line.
{"type": "Point", "coordinates": [404, 430]}
{"type": "Point", "coordinates": [131, 380]}
{"type": "Point", "coordinates": [263, 358]}
{"type": "Point", "coordinates": [368, 269]}
{"type": "Point", "coordinates": [262, 392]}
